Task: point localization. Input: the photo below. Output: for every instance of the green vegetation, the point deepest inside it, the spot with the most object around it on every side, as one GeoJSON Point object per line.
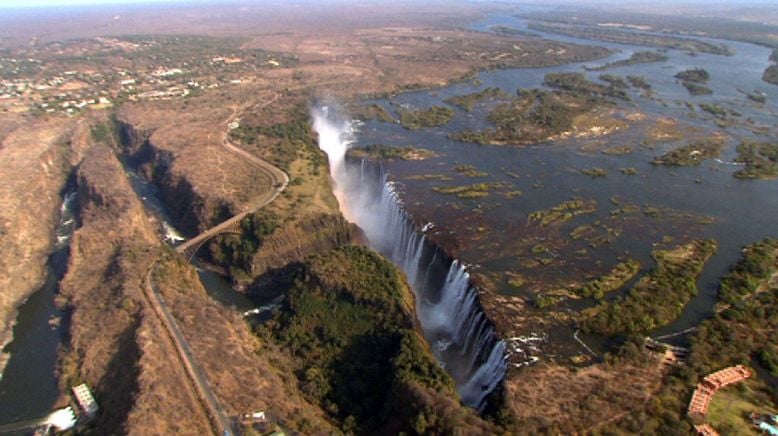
{"type": "Point", "coordinates": [477, 190]}
{"type": "Point", "coordinates": [692, 79]}
{"type": "Point", "coordinates": [659, 296]}
{"type": "Point", "coordinates": [752, 273]}
{"type": "Point", "coordinates": [614, 81]}
{"type": "Point", "coordinates": [748, 327]}
{"type": "Point", "coordinates": [691, 154]}
{"type": "Point", "coordinates": [532, 117]}
{"type": "Point", "coordinates": [771, 74]}
{"type": "Point", "coordinates": [381, 151]}
{"type": "Point", "coordinates": [640, 57]}
{"type": "Point", "coordinates": [628, 171]}
{"type": "Point", "coordinates": [717, 111]}
{"type": "Point", "coordinates": [579, 85]}
{"type": "Point", "coordinates": [595, 172]}
{"type": "Point", "coordinates": [638, 82]}
{"type": "Point", "coordinates": [469, 171]}
{"type": "Point", "coordinates": [543, 301]}
{"type": "Point", "coordinates": [758, 96]}
{"type": "Point", "coordinates": [696, 75]}
{"type": "Point", "coordinates": [431, 117]}
{"type": "Point", "coordinates": [468, 101]}
{"type": "Point", "coordinates": [103, 132]}
{"type": "Point", "coordinates": [192, 52]}
{"type": "Point", "coordinates": [695, 89]}
{"type": "Point", "coordinates": [760, 159]}
{"type": "Point", "coordinates": [536, 115]}
{"type": "Point", "coordinates": [614, 280]}
{"type": "Point", "coordinates": [371, 112]}
{"type": "Point", "coordinates": [563, 212]}
{"type": "Point", "coordinates": [510, 31]}
{"type": "Point", "coordinates": [235, 252]}
{"type": "Point", "coordinates": [348, 322]}
{"type": "Point", "coordinates": [628, 37]}
{"type": "Point", "coordinates": [283, 141]}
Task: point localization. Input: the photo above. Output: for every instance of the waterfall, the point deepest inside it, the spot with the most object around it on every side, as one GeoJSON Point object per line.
{"type": "Point", "coordinates": [463, 340]}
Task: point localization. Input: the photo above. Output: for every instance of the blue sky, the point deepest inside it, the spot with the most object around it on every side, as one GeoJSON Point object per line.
{"type": "Point", "coordinates": [61, 3]}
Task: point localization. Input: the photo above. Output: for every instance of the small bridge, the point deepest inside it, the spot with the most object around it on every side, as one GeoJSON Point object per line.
{"type": "Point", "coordinates": [278, 180]}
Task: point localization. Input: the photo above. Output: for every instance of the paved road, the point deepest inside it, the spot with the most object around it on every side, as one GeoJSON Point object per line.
{"type": "Point", "coordinates": [279, 181]}
{"type": "Point", "coordinates": [217, 416]}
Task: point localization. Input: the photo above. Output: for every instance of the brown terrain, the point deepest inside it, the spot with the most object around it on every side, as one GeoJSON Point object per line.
{"type": "Point", "coordinates": [34, 158]}
{"type": "Point", "coordinates": [116, 342]}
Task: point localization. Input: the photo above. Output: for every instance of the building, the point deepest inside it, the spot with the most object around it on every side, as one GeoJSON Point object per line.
{"type": "Point", "coordinates": [85, 400]}
{"type": "Point", "coordinates": [705, 430]}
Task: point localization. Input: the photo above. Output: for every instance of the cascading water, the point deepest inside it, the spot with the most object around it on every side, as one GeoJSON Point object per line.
{"type": "Point", "coordinates": [463, 340]}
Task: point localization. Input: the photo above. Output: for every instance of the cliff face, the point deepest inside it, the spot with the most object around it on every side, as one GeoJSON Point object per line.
{"type": "Point", "coordinates": [246, 373]}
{"type": "Point", "coordinates": [113, 340]}
{"type": "Point", "coordinates": [201, 183]}
{"type": "Point", "coordinates": [349, 319]}
{"type": "Point", "coordinates": [191, 211]}
{"type": "Point", "coordinates": [33, 170]}
{"type": "Point", "coordinates": [293, 242]}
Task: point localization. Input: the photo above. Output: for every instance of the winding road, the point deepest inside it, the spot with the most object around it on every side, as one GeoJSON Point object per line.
{"type": "Point", "coordinates": [199, 383]}
{"type": "Point", "coordinates": [278, 179]}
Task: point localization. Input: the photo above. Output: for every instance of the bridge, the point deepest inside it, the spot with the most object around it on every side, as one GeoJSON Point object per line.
{"type": "Point", "coordinates": [221, 424]}
{"type": "Point", "coordinates": [279, 180]}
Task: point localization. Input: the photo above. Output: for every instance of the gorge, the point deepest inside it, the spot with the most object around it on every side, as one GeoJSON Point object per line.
{"type": "Point", "coordinates": [462, 338]}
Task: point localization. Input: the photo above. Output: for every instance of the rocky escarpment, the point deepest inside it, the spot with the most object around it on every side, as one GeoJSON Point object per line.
{"type": "Point", "coordinates": [34, 166]}
{"type": "Point", "coordinates": [295, 241]}
{"type": "Point", "coordinates": [192, 211]}
{"type": "Point", "coordinates": [110, 331]}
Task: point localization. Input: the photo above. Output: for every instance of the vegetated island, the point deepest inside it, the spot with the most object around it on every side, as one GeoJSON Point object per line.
{"type": "Point", "coordinates": [639, 82]}
{"type": "Point", "coordinates": [563, 212]}
{"type": "Point", "coordinates": [771, 73]}
{"type": "Point", "coordinates": [537, 115]}
{"type": "Point", "coordinates": [434, 116]}
{"type": "Point", "coordinates": [468, 101]}
{"type": "Point", "coordinates": [658, 297]}
{"type": "Point", "coordinates": [639, 57]}
{"type": "Point", "coordinates": [383, 151]}
{"type": "Point", "coordinates": [614, 280]}
{"type": "Point", "coordinates": [634, 38]}
{"type": "Point", "coordinates": [692, 79]}
{"type": "Point", "coordinates": [510, 31]}
{"type": "Point", "coordinates": [371, 112]}
{"type": "Point", "coordinates": [760, 160]}
{"type": "Point", "coordinates": [476, 190]}
{"type": "Point", "coordinates": [691, 154]}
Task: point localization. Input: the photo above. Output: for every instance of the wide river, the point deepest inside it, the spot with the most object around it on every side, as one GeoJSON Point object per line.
{"type": "Point", "coordinates": [492, 235]}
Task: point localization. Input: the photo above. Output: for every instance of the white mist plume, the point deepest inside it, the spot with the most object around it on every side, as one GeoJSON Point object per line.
{"type": "Point", "coordinates": [464, 340]}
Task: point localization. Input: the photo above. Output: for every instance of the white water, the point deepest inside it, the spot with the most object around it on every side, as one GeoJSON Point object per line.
{"type": "Point", "coordinates": [462, 338]}
{"type": "Point", "coordinates": [62, 419]}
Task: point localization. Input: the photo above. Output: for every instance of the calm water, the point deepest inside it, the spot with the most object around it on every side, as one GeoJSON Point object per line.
{"type": "Point", "coordinates": [493, 234]}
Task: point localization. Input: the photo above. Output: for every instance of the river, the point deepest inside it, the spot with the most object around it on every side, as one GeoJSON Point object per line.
{"type": "Point", "coordinates": [29, 386]}
{"type": "Point", "coordinates": [492, 235]}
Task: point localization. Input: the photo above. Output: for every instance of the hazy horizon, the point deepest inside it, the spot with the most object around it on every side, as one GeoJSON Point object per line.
{"type": "Point", "coordinates": [29, 4]}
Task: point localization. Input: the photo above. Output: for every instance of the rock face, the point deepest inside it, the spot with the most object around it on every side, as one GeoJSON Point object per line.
{"type": "Point", "coordinates": [202, 184]}
{"type": "Point", "coordinates": [33, 170]}
{"type": "Point", "coordinates": [293, 242]}
{"type": "Point", "coordinates": [113, 340]}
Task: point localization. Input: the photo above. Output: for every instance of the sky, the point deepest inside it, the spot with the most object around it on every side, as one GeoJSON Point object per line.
{"type": "Point", "coordinates": [62, 3]}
